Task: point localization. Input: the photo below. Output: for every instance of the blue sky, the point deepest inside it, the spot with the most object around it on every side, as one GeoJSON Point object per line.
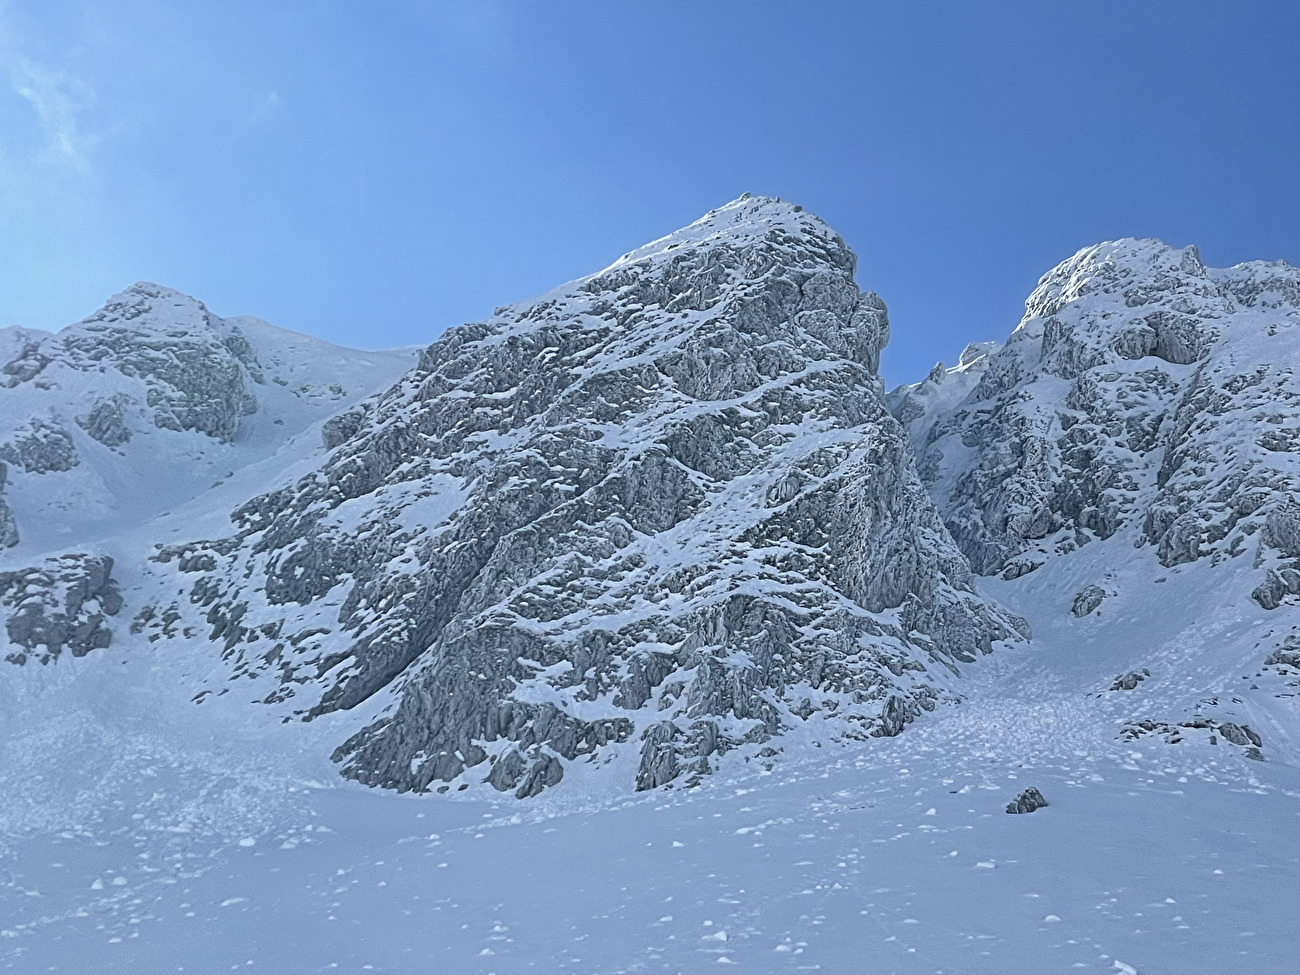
{"type": "Point", "coordinates": [374, 172]}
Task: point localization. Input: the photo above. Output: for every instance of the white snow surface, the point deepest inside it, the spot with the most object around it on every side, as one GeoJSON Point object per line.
{"type": "Point", "coordinates": [128, 812]}
{"type": "Point", "coordinates": [140, 833]}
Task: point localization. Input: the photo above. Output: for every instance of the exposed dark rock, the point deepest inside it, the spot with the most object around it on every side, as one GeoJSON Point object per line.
{"type": "Point", "coordinates": [40, 446]}
{"type": "Point", "coordinates": [1288, 656]}
{"type": "Point", "coordinates": [1028, 801]}
{"type": "Point", "coordinates": [506, 771]}
{"type": "Point", "coordinates": [658, 756]}
{"type": "Point", "coordinates": [1277, 585]}
{"type": "Point", "coordinates": [107, 421]}
{"type": "Point", "coordinates": [8, 523]}
{"type": "Point", "coordinates": [27, 366]}
{"type": "Point", "coordinates": [1173, 734]}
{"type": "Point", "coordinates": [546, 771]}
{"type": "Point", "coordinates": [893, 718]}
{"type": "Point", "coordinates": [1239, 734]}
{"type": "Point", "coordinates": [1086, 600]}
{"type": "Point", "coordinates": [339, 429]}
{"type": "Point", "coordinates": [1127, 682]}
{"type": "Point", "coordinates": [61, 603]}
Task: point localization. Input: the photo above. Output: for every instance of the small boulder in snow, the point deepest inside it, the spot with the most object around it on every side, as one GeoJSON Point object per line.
{"type": "Point", "coordinates": [1087, 599]}
{"type": "Point", "coordinates": [1126, 682]}
{"type": "Point", "coordinates": [1027, 801]}
{"type": "Point", "coordinates": [1239, 734]}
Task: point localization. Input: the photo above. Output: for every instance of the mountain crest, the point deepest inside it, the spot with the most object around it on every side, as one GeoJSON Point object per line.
{"type": "Point", "coordinates": [661, 509]}
{"type": "Point", "coordinates": [1128, 398]}
{"type": "Point", "coordinates": [744, 221]}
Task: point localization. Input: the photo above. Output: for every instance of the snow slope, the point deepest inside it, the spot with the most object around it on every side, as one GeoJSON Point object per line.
{"type": "Point", "coordinates": [893, 855]}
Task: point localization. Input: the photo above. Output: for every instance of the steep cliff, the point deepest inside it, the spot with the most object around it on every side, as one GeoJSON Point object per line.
{"type": "Point", "coordinates": [664, 504]}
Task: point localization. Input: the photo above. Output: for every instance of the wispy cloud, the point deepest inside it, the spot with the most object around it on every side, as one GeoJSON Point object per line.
{"type": "Point", "coordinates": [264, 103]}
{"type": "Point", "coordinates": [56, 98]}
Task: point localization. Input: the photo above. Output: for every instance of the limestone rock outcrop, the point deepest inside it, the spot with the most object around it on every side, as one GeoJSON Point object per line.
{"type": "Point", "coordinates": [662, 508]}
{"type": "Point", "coordinates": [8, 523]}
{"type": "Point", "coordinates": [1028, 801]}
{"type": "Point", "coordinates": [1142, 392]}
{"type": "Point", "coordinates": [62, 603]}
{"type": "Point", "coordinates": [150, 401]}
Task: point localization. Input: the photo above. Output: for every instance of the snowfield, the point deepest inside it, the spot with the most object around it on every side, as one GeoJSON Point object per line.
{"type": "Point", "coordinates": [1155, 707]}
{"type": "Point", "coordinates": [178, 844]}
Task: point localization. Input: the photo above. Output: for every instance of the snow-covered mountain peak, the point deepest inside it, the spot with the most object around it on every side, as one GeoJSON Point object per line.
{"type": "Point", "coordinates": [739, 251]}
{"type": "Point", "coordinates": [741, 223]}
{"type": "Point", "coordinates": [664, 503]}
{"type": "Point", "coordinates": [145, 304]}
{"type": "Point", "coordinates": [655, 524]}
{"type": "Point", "coordinates": [1135, 271]}
{"type": "Point", "coordinates": [150, 401]}
{"type": "Point", "coordinates": [1129, 396]}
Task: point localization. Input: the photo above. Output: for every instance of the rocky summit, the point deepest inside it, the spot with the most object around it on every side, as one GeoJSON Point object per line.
{"type": "Point", "coordinates": [662, 509]}
{"type": "Point", "coordinates": [1142, 392]}
{"type": "Point", "coordinates": [152, 403]}
{"type": "Point", "coordinates": [110, 422]}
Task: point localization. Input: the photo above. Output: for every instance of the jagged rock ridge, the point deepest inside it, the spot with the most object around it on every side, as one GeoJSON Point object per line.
{"type": "Point", "coordinates": [1141, 391]}
{"type": "Point", "coordinates": [665, 503]}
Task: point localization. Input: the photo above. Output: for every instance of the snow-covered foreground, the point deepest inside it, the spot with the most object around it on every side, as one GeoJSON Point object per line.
{"type": "Point", "coordinates": [171, 837]}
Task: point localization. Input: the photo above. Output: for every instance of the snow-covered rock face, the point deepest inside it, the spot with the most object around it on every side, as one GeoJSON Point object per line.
{"type": "Point", "coordinates": [61, 603]}
{"type": "Point", "coordinates": [190, 369]}
{"type": "Point", "coordinates": [150, 403]}
{"type": "Point", "coordinates": [662, 505]}
{"type": "Point", "coordinates": [1141, 389]}
{"type": "Point", "coordinates": [143, 404]}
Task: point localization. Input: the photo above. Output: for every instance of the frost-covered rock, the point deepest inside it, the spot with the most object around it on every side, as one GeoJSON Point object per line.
{"type": "Point", "coordinates": [61, 603]}
{"type": "Point", "coordinates": [664, 505]}
{"type": "Point", "coordinates": [338, 429]}
{"type": "Point", "coordinates": [1086, 600]}
{"type": "Point", "coordinates": [106, 421]}
{"type": "Point", "coordinates": [198, 371]}
{"type": "Point", "coordinates": [1277, 585]}
{"type": "Point", "coordinates": [1239, 734]}
{"type": "Point", "coordinates": [1141, 391]}
{"type": "Point", "coordinates": [1129, 681]}
{"type": "Point", "coordinates": [39, 446]}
